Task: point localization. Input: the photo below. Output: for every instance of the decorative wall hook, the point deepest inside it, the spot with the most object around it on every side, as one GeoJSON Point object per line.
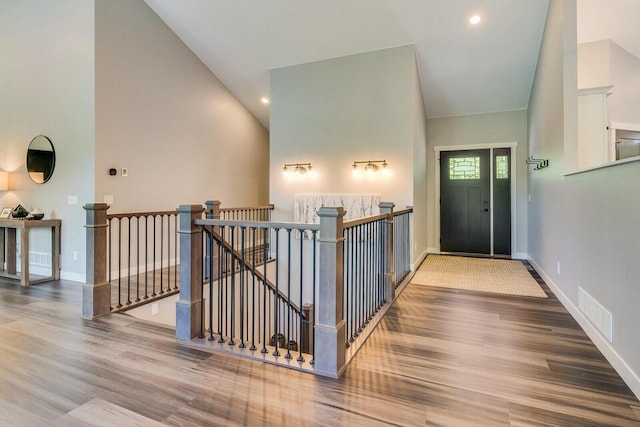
{"type": "Point", "coordinates": [540, 163]}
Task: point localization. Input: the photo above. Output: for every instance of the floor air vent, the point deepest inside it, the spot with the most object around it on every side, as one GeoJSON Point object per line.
{"type": "Point", "coordinates": [596, 313]}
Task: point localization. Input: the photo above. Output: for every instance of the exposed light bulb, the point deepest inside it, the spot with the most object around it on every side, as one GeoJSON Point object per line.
{"type": "Point", "coordinates": [264, 100]}
{"type": "Point", "coordinates": [474, 20]}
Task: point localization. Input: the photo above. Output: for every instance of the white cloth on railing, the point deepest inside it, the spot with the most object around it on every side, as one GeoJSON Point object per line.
{"type": "Point", "coordinates": [305, 206]}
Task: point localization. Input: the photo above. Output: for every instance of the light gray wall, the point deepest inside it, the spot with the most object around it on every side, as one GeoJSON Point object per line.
{"type": "Point", "coordinates": [47, 76]}
{"type": "Point", "coordinates": [420, 174]}
{"type": "Point", "coordinates": [333, 112]}
{"type": "Point", "coordinates": [163, 115]}
{"type": "Point", "coordinates": [488, 128]}
{"type": "Point", "coordinates": [583, 228]}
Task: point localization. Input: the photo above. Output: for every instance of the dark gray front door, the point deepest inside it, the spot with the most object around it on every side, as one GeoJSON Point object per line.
{"type": "Point", "coordinates": [465, 199]}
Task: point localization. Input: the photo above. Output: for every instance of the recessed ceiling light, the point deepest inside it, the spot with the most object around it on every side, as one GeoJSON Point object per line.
{"type": "Point", "coordinates": [264, 100]}
{"type": "Point", "coordinates": [475, 19]}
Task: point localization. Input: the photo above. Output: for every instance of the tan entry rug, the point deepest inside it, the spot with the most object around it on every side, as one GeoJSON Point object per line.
{"type": "Point", "coordinates": [498, 276]}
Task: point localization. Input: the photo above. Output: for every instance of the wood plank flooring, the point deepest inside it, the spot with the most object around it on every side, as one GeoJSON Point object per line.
{"type": "Point", "coordinates": [439, 358]}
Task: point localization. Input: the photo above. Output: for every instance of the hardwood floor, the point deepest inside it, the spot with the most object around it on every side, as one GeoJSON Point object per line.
{"type": "Point", "coordinates": [439, 358]}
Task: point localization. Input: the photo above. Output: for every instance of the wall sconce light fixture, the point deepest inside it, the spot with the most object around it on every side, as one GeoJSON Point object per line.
{"type": "Point", "coordinates": [370, 166]}
{"type": "Point", "coordinates": [4, 181]}
{"type": "Point", "coordinates": [298, 168]}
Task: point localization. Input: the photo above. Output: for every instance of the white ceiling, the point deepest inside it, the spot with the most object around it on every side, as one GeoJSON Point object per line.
{"type": "Point", "coordinates": [617, 20]}
{"type": "Point", "coordinates": [463, 69]}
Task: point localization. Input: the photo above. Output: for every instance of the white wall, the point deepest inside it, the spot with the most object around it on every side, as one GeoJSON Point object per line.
{"type": "Point", "coordinates": [583, 229]}
{"type": "Point", "coordinates": [163, 115]}
{"type": "Point", "coordinates": [334, 112]}
{"type": "Point", "coordinates": [605, 63]}
{"type": "Point", "coordinates": [488, 128]}
{"type": "Point", "coordinates": [594, 61]}
{"type": "Point", "coordinates": [624, 102]}
{"type": "Point", "coordinates": [48, 88]}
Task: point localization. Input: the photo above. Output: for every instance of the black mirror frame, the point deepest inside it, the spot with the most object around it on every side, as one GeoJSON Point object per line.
{"type": "Point", "coordinates": [53, 165]}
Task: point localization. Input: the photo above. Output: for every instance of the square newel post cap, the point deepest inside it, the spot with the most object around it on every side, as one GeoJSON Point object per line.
{"type": "Point", "coordinates": [96, 207]}
{"type": "Point", "coordinates": [386, 207]}
{"type": "Point", "coordinates": [330, 223]}
{"type": "Point", "coordinates": [190, 209]}
{"type": "Point", "coordinates": [327, 212]}
{"type": "Point", "coordinates": [211, 203]}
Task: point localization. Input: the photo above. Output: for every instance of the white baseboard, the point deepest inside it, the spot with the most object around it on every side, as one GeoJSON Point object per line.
{"type": "Point", "coordinates": [418, 262]}
{"type": "Point", "coordinates": [520, 255]}
{"type": "Point", "coordinates": [73, 277]}
{"type": "Point", "coordinates": [618, 363]}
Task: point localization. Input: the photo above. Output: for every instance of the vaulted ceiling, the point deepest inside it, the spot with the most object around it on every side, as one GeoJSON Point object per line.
{"type": "Point", "coordinates": [464, 69]}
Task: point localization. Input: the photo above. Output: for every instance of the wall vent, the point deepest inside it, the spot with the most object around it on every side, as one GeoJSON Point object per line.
{"type": "Point", "coordinates": [596, 313]}
{"type": "Point", "coordinates": [40, 259]}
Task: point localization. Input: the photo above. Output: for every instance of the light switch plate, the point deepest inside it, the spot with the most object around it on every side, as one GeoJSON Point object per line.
{"type": "Point", "coordinates": [72, 200]}
{"type": "Point", "coordinates": [125, 172]}
{"type": "Point", "coordinates": [108, 199]}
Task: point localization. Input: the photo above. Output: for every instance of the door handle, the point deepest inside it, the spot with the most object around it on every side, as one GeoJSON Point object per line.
{"type": "Point", "coordinates": [484, 210]}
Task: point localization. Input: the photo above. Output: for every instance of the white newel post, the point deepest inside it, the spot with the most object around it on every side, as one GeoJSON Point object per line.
{"type": "Point", "coordinates": [96, 292]}
{"type": "Point", "coordinates": [390, 275]}
{"type": "Point", "coordinates": [330, 328]}
{"type": "Point", "coordinates": [188, 314]}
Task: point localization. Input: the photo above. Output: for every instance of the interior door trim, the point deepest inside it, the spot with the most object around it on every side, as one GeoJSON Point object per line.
{"type": "Point", "coordinates": [513, 169]}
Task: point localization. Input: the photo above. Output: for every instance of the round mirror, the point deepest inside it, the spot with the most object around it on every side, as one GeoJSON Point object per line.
{"type": "Point", "coordinates": [41, 159]}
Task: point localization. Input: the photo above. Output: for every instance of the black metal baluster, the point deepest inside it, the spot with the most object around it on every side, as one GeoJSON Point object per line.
{"type": "Point", "coordinates": [221, 265]}
{"type": "Point", "coordinates": [361, 261]}
{"type": "Point", "coordinates": [370, 303]}
{"type": "Point", "coordinates": [211, 285]}
{"type": "Point", "coordinates": [153, 282]}
{"type": "Point", "coordinates": [346, 256]}
{"type": "Point", "coordinates": [253, 290]}
{"type": "Point", "coordinates": [233, 287]}
{"type": "Point", "coordinates": [313, 292]}
{"type": "Point", "coordinates": [242, 285]}
{"type": "Point", "coordinates": [300, 358]}
{"type": "Point", "coordinates": [224, 305]}
{"type": "Point", "coordinates": [381, 250]}
{"type": "Point", "coordinates": [352, 285]}
{"type": "Point", "coordinates": [146, 257]}
{"type": "Point", "coordinates": [276, 353]}
{"type": "Point", "coordinates": [129, 261]}
{"type": "Point", "coordinates": [119, 263]}
{"type": "Point", "coordinates": [169, 252]}
{"type": "Point", "coordinates": [175, 251]}
{"type": "Point", "coordinates": [288, 338]}
{"type": "Point", "coordinates": [162, 254]}
{"type": "Point", "coordinates": [137, 259]}
{"type": "Point", "coordinates": [109, 256]}
{"type": "Point", "coordinates": [264, 295]}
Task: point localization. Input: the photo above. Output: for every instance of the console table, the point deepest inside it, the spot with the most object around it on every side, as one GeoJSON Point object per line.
{"type": "Point", "coordinates": [8, 228]}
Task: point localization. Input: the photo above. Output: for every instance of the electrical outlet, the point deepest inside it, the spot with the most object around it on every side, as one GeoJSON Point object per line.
{"type": "Point", "coordinates": [108, 199]}
{"type": "Point", "coordinates": [75, 255]}
{"type": "Point", "coordinates": [558, 267]}
{"type": "Point", "coordinates": [154, 308]}
{"type": "Point", "coordinates": [530, 198]}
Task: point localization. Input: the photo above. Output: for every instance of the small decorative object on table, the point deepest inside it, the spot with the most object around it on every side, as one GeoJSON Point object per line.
{"type": "Point", "coordinates": [6, 213]}
{"type": "Point", "coordinates": [36, 214]}
{"type": "Point", "coordinates": [19, 212]}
